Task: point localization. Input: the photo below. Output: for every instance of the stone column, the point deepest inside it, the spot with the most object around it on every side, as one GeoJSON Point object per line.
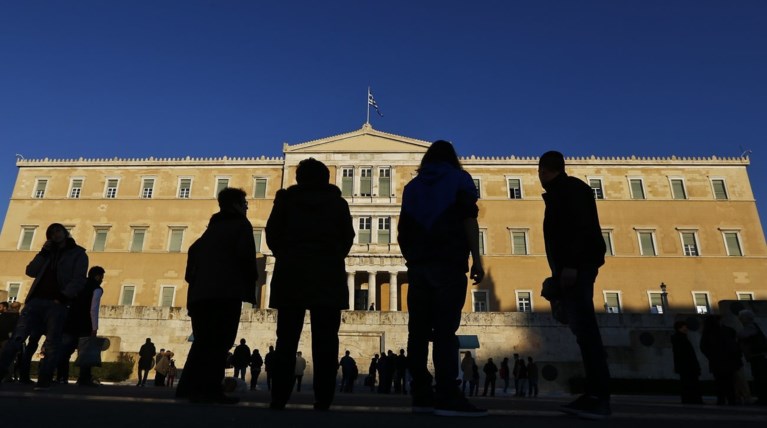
{"type": "Point", "coordinates": [393, 291]}
{"type": "Point", "coordinates": [372, 290]}
{"type": "Point", "coordinates": [267, 290]}
{"type": "Point", "coordinates": [350, 286]}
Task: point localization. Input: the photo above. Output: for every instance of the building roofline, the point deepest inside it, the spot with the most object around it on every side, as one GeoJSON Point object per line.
{"type": "Point", "coordinates": [612, 160]}
{"type": "Point", "coordinates": [153, 161]}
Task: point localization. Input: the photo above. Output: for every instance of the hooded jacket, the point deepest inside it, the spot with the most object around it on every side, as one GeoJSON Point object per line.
{"type": "Point", "coordinates": [571, 226]}
{"type": "Point", "coordinates": [310, 233]}
{"type": "Point", "coordinates": [71, 269]}
{"type": "Point", "coordinates": [221, 264]}
{"type": "Point", "coordinates": [434, 206]}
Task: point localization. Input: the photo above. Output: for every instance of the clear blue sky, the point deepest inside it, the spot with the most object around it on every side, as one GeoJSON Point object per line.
{"type": "Point", "coordinates": [212, 78]}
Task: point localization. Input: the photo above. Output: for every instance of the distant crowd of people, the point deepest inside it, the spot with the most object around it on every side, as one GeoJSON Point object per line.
{"type": "Point", "coordinates": [310, 234]}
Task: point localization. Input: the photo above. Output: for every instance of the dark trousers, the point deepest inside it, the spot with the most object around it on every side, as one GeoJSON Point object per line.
{"type": "Point", "coordinates": [268, 380]}
{"type": "Point", "coordinates": [69, 343]}
{"type": "Point", "coordinates": [325, 325]}
{"type": "Point", "coordinates": [143, 373]}
{"type": "Point", "coordinates": [725, 387]}
{"type": "Point", "coordinates": [690, 385]}
{"type": "Point", "coordinates": [435, 299]}
{"type": "Point", "coordinates": [579, 305]}
{"type": "Point", "coordinates": [254, 378]}
{"type": "Point", "coordinates": [489, 382]}
{"type": "Point", "coordinates": [240, 372]}
{"type": "Point", "coordinates": [759, 372]}
{"type": "Point", "coordinates": [299, 379]}
{"type": "Point", "coordinates": [214, 326]}
{"type": "Point", "coordinates": [39, 316]}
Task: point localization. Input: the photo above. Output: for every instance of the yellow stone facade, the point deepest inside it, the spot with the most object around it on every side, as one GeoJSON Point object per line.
{"type": "Point", "coordinates": [690, 223]}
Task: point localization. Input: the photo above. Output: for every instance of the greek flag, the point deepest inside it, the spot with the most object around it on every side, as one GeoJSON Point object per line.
{"type": "Point", "coordinates": [372, 102]}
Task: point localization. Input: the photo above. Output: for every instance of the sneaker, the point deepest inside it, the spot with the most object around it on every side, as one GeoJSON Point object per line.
{"type": "Point", "coordinates": [458, 407]}
{"type": "Point", "coordinates": [42, 386]}
{"type": "Point", "coordinates": [576, 406]}
{"type": "Point", "coordinates": [588, 407]}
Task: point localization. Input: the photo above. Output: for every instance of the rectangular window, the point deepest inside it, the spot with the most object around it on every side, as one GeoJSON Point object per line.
{"type": "Point", "coordinates": [480, 300]}
{"type": "Point", "coordinates": [347, 182]}
{"type": "Point", "coordinates": [260, 188]}
{"type": "Point", "coordinates": [257, 237]}
{"type": "Point", "coordinates": [677, 189]}
{"type": "Point", "coordinates": [127, 295]}
{"type": "Point", "coordinates": [137, 240]}
{"type": "Point", "coordinates": [732, 243]}
{"type": "Point", "coordinates": [596, 187]}
{"type": "Point", "coordinates": [482, 242]}
{"type": "Point", "coordinates": [147, 188]}
{"type": "Point", "coordinates": [100, 240]}
{"type": "Point", "coordinates": [607, 236]}
{"type": "Point", "coordinates": [524, 301]}
{"type": "Point", "coordinates": [515, 188]}
{"type": "Point", "coordinates": [689, 244]}
{"type": "Point", "coordinates": [176, 239]}
{"type": "Point", "coordinates": [518, 242]}
{"type": "Point", "coordinates": [384, 182]}
{"type": "Point", "coordinates": [745, 295]}
{"type": "Point", "coordinates": [75, 188]}
{"type": "Point", "coordinates": [184, 188]}
{"type": "Point", "coordinates": [111, 190]}
{"type": "Point", "coordinates": [364, 232]}
{"type": "Point", "coordinates": [366, 181]}
{"type": "Point", "coordinates": [647, 243]}
{"type": "Point", "coordinates": [701, 302]}
{"type": "Point", "coordinates": [720, 190]}
{"type": "Point", "coordinates": [656, 302]}
{"type": "Point", "coordinates": [478, 186]}
{"type": "Point", "coordinates": [221, 184]}
{"type": "Point", "coordinates": [612, 302]}
{"type": "Point", "coordinates": [384, 230]}
{"type": "Point", "coordinates": [13, 291]}
{"type": "Point", "coordinates": [637, 188]}
{"type": "Point", "coordinates": [40, 186]}
{"type": "Point", "coordinates": [27, 234]}
{"type": "Point", "coordinates": [167, 295]}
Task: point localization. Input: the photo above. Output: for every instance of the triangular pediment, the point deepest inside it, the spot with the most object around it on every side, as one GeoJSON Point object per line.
{"type": "Point", "coordinates": [365, 139]}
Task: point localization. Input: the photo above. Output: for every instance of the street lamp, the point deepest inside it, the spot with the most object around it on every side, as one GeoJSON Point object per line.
{"type": "Point", "coordinates": [663, 297]}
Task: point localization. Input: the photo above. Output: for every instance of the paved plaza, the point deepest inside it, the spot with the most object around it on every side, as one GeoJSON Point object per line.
{"type": "Point", "coordinates": [116, 406]}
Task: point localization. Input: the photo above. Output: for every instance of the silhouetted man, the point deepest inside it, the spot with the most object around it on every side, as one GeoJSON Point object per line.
{"type": "Point", "coordinates": [256, 362]}
{"type": "Point", "coordinates": [348, 366]}
{"type": "Point", "coordinates": [221, 271]}
{"type": "Point", "coordinates": [59, 270]}
{"type": "Point", "coordinates": [146, 356]}
{"type": "Point", "coordinates": [437, 231]}
{"type": "Point", "coordinates": [241, 359]}
{"type": "Point", "coordinates": [575, 250]}
{"type": "Point", "coordinates": [269, 367]}
{"type": "Point", "coordinates": [686, 364]}
{"type": "Point", "coordinates": [310, 232]}
{"type": "Point", "coordinates": [491, 373]}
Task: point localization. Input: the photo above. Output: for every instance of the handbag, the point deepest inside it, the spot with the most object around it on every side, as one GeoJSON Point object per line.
{"type": "Point", "coordinates": [89, 352]}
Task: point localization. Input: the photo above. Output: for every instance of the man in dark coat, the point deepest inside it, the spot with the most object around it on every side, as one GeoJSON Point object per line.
{"type": "Point", "coordinates": [269, 367]}
{"type": "Point", "coordinates": [256, 362]}
{"type": "Point", "coordinates": [82, 321]}
{"type": "Point", "coordinates": [575, 250]}
{"type": "Point", "coordinates": [686, 364]}
{"type": "Point", "coordinates": [241, 359]}
{"type": "Point", "coordinates": [491, 373]}
{"type": "Point", "coordinates": [146, 356]}
{"type": "Point", "coordinates": [221, 271]}
{"type": "Point", "coordinates": [720, 346]}
{"type": "Point", "coordinates": [348, 365]}
{"type": "Point", "coordinates": [310, 232]}
{"type": "Point", "coordinates": [59, 270]}
{"type": "Point", "coordinates": [438, 230]}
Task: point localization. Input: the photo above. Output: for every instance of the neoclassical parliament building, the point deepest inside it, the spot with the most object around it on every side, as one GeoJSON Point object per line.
{"type": "Point", "coordinates": [681, 233]}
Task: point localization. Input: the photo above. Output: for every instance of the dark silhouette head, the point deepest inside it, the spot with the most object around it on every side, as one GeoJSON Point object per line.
{"type": "Point", "coordinates": [231, 199]}
{"type": "Point", "coordinates": [4, 306]}
{"type": "Point", "coordinates": [347, 353]}
{"type": "Point", "coordinates": [96, 271]}
{"type": "Point", "coordinates": [311, 172]}
{"type": "Point", "coordinates": [440, 151]}
{"type": "Point", "coordinates": [242, 341]}
{"type": "Point", "coordinates": [57, 233]}
{"type": "Point", "coordinates": [530, 359]}
{"type": "Point", "coordinates": [271, 348]}
{"type": "Point", "coordinates": [148, 340]}
{"type": "Point", "coordinates": [679, 324]}
{"type": "Point", "coordinates": [551, 164]}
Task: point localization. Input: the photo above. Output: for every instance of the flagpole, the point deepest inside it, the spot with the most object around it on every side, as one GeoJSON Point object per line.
{"type": "Point", "coordinates": [367, 103]}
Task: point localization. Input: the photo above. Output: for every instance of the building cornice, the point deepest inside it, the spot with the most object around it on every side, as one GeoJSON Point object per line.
{"type": "Point", "coordinates": [153, 161]}
{"type": "Point", "coordinates": [610, 160]}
